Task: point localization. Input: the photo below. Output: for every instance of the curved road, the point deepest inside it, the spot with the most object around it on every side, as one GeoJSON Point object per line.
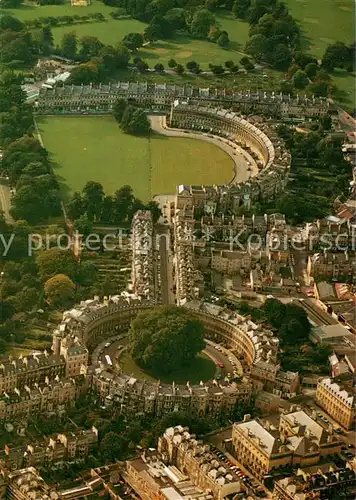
{"type": "Point", "coordinates": [216, 356]}
{"type": "Point", "coordinates": [158, 124]}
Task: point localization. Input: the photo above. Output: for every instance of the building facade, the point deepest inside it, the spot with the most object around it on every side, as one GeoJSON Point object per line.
{"type": "Point", "coordinates": [338, 401]}
{"type": "Point", "coordinates": [102, 98]}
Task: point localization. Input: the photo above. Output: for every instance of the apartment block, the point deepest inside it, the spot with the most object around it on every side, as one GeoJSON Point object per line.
{"type": "Point", "coordinates": [298, 441]}
{"type": "Point", "coordinates": [143, 275]}
{"type": "Point", "coordinates": [195, 459]}
{"type": "Point", "coordinates": [338, 400]}
{"type": "Point", "coordinates": [41, 398]}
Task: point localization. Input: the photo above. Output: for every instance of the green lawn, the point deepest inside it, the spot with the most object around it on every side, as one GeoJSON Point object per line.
{"type": "Point", "coordinates": [110, 32]}
{"type": "Point", "coordinates": [202, 369]}
{"type": "Point", "coordinates": [94, 148]}
{"type": "Point", "coordinates": [323, 22]}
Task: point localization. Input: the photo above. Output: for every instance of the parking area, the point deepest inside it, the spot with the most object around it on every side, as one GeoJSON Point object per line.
{"type": "Point", "coordinates": [252, 485]}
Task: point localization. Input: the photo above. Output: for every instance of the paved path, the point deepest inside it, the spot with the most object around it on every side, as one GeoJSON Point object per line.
{"type": "Point", "coordinates": [239, 157]}
{"type": "Point", "coordinates": [5, 202]}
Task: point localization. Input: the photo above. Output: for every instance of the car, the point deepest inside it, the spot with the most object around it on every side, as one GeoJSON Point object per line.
{"type": "Point", "coordinates": [220, 365]}
{"type": "Point", "coordinates": [351, 445]}
{"type": "Point", "coordinates": [108, 344]}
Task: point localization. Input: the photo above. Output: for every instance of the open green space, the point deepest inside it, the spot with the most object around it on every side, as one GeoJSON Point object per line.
{"type": "Point", "coordinates": [323, 22]}
{"type": "Point", "coordinates": [202, 369]}
{"type": "Point", "coordinates": [94, 148]}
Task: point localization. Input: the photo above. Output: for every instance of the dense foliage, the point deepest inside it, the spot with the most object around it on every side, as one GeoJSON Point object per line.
{"type": "Point", "coordinates": [132, 120]}
{"type": "Point", "coordinates": [117, 209]}
{"type": "Point", "coordinates": [165, 339]}
{"type": "Point", "coordinates": [319, 172]}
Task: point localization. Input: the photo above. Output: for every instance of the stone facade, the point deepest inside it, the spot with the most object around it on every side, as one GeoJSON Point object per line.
{"type": "Point", "coordinates": [299, 441]}
{"type": "Point", "coordinates": [339, 401]}
{"type": "Point", "coordinates": [102, 98]}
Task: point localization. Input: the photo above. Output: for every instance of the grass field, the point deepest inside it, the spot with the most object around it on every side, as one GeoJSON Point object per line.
{"type": "Point", "coordinates": [94, 148]}
{"type": "Point", "coordinates": [182, 48]}
{"type": "Point", "coordinates": [201, 369]}
{"type": "Point", "coordinates": [323, 22]}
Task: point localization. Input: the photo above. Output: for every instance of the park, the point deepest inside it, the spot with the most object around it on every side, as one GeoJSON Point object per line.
{"type": "Point", "coordinates": [95, 148]}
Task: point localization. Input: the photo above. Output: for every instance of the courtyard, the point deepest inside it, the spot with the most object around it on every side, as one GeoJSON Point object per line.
{"type": "Point", "coordinates": [94, 148]}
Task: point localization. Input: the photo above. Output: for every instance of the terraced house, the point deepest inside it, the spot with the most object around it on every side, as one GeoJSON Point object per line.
{"type": "Point", "coordinates": [101, 99]}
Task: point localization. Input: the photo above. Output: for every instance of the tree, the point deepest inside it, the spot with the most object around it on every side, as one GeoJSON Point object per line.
{"type": "Point", "coordinates": [179, 69]}
{"type": "Point", "coordinates": [201, 23]}
{"type": "Point", "coordinates": [113, 446]}
{"type": "Point", "coordinates": [311, 70]}
{"type": "Point", "coordinates": [59, 289]}
{"type": "Point", "coordinates": [337, 55]}
{"type": "Point", "coordinates": [156, 212]}
{"type": "Point", "coordinates": [90, 47]}
{"type": "Point", "coordinates": [122, 55]}
{"type": "Point", "coordinates": [69, 45]}
{"type": "Point", "coordinates": [165, 339]}
{"type": "Point", "coordinates": [159, 68]}
{"type": "Point", "coordinates": [46, 40]}
{"type": "Point", "coordinates": [229, 64]}
{"type": "Point", "coordinates": [11, 4]}
{"type": "Point", "coordinates": [300, 79]}
{"type": "Point", "coordinates": [193, 66]}
{"type": "Point", "coordinates": [56, 261]}
{"type": "Point", "coordinates": [172, 63]}
{"type": "Point", "coordinates": [76, 207]}
{"type": "Point", "coordinates": [135, 121]}
{"type": "Point", "coordinates": [85, 74]}
{"type": "Point", "coordinates": [142, 66]}
{"type": "Point", "coordinates": [223, 40]}
{"type": "Point", "coordinates": [302, 59]}
{"type": "Point", "coordinates": [217, 69]}
{"type": "Point", "coordinates": [10, 23]}
{"type": "Point", "coordinates": [281, 57]}
{"type": "Point", "coordinates": [93, 194]}
{"type": "Point", "coordinates": [152, 32]}
{"type": "Point", "coordinates": [133, 41]}
{"type": "Point", "coordinates": [83, 225]}
{"type": "Point", "coordinates": [240, 8]}
{"type": "Point", "coordinates": [119, 109]}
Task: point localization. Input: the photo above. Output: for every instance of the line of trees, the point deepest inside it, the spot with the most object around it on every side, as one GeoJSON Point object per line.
{"type": "Point", "coordinates": [93, 204]}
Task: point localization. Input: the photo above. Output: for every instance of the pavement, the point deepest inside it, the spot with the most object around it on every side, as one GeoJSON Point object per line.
{"type": "Point", "coordinates": [5, 202]}
{"type": "Point", "coordinates": [237, 154]}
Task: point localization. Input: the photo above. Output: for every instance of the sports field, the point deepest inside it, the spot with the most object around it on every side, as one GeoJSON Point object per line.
{"type": "Point", "coordinates": [94, 148]}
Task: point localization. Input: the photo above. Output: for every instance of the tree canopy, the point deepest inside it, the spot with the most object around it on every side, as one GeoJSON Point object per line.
{"type": "Point", "coordinates": [290, 320]}
{"type": "Point", "coordinates": [165, 339]}
{"type": "Point", "coordinates": [59, 289]}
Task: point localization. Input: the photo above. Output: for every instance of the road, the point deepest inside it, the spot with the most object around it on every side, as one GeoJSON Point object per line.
{"type": "Point", "coordinates": [113, 350]}
{"type": "Point", "coordinates": [165, 267]}
{"type": "Point", "coordinates": [5, 202]}
{"type": "Point", "coordinates": [158, 124]}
